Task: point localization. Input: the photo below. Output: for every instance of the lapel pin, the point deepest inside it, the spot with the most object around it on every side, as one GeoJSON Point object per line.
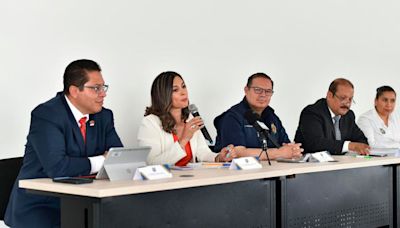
{"type": "Point", "coordinates": [91, 123]}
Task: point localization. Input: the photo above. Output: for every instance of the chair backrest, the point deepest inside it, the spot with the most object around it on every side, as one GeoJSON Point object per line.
{"type": "Point", "coordinates": [9, 169]}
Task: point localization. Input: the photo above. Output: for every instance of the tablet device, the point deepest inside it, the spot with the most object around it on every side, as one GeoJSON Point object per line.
{"type": "Point", "coordinates": [121, 163]}
{"type": "Point", "coordinates": [382, 152]}
{"type": "Point", "coordinates": [72, 180]}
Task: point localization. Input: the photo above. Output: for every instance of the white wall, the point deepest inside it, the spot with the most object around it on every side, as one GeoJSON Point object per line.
{"type": "Point", "coordinates": [214, 45]}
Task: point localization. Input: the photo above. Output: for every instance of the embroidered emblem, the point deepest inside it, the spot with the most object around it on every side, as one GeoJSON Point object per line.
{"type": "Point", "coordinates": [382, 130]}
{"type": "Point", "coordinates": [273, 128]}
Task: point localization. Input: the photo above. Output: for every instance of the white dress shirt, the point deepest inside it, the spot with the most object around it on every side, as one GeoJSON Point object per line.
{"type": "Point", "coordinates": [163, 148]}
{"type": "Point", "coordinates": [96, 162]}
{"type": "Point", "coordinates": [379, 135]}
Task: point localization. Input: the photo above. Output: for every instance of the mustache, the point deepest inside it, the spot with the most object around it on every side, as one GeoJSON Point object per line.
{"type": "Point", "coordinates": [345, 107]}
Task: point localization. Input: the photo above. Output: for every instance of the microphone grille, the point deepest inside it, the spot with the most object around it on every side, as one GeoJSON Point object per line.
{"type": "Point", "coordinates": [192, 108]}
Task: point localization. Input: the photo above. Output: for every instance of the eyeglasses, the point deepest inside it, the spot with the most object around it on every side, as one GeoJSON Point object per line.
{"type": "Point", "coordinates": [345, 100]}
{"type": "Point", "coordinates": [258, 90]}
{"type": "Point", "coordinates": [98, 89]}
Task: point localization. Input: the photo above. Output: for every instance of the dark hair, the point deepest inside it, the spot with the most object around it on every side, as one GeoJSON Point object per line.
{"type": "Point", "coordinates": [382, 89]}
{"type": "Point", "coordinates": [339, 81]}
{"type": "Point", "coordinates": [258, 75]}
{"type": "Point", "coordinates": [161, 100]}
{"type": "Point", "coordinates": [76, 73]}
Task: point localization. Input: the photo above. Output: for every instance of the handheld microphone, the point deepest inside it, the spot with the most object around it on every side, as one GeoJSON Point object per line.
{"type": "Point", "coordinates": [195, 112]}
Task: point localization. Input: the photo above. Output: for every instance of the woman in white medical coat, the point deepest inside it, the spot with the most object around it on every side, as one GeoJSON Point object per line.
{"type": "Point", "coordinates": [381, 125]}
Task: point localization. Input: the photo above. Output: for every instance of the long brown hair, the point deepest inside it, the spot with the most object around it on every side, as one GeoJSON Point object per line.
{"type": "Point", "coordinates": [161, 100]}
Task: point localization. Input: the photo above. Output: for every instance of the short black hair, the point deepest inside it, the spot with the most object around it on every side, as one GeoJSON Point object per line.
{"type": "Point", "coordinates": [76, 73]}
{"type": "Point", "coordinates": [382, 89]}
{"type": "Point", "coordinates": [339, 81]}
{"type": "Point", "coordinates": [258, 75]}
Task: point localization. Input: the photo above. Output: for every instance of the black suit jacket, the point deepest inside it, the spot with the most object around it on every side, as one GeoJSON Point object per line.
{"type": "Point", "coordinates": [316, 131]}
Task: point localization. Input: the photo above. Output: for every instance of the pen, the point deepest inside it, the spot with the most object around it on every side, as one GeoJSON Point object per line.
{"type": "Point", "coordinates": [216, 164]}
{"type": "Point", "coordinates": [378, 155]}
{"type": "Point", "coordinates": [364, 156]}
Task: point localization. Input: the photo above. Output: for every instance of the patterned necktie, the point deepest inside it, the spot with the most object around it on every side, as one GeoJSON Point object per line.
{"type": "Point", "coordinates": [82, 126]}
{"type": "Point", "coordinates": [336, 125]}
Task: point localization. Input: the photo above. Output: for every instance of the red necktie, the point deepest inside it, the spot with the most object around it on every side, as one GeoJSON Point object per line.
{"type": "Point", "coordinates": [82, 126]}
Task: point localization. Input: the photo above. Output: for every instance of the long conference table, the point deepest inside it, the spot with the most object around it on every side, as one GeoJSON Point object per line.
{"type": "Point", "coordinates": [353, 192]}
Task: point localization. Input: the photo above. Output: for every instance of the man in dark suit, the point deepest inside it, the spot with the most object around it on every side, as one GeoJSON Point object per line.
{"type": "Point", "coordinates": [69, 136]}
{"type": "Point", "coordinates": [329, 124]}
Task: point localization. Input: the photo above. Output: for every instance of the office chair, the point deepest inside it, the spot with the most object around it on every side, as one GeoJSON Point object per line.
{"type": "Point", "coordinates": [9, 169]}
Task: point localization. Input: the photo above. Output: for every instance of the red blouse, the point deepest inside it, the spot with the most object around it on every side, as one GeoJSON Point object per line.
{"type": "Point", "coordinates": [185, 160]}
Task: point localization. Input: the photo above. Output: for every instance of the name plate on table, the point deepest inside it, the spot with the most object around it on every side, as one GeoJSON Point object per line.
{"type": "Point", "coordinates": [245, 163]}
{"type": "Point", "coordinates": [152, 172]}
{"type": "Point", "coordinates": [322, 156]}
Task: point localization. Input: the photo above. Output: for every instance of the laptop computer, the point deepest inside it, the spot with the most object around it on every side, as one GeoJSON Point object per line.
{"type": "Point", "coordinates": [121, 163]}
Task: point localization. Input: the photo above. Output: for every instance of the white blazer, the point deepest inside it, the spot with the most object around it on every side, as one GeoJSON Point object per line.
{"type": "Point", "coordinates": [379, 135]}
{"type": "Point", "coordinates": [163, 148]}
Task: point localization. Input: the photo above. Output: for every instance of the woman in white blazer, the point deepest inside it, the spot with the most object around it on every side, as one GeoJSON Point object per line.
{"type": "Point", "coordinates": [381, 125]}
{"type": "Point", "coordinates": [171, 131]}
